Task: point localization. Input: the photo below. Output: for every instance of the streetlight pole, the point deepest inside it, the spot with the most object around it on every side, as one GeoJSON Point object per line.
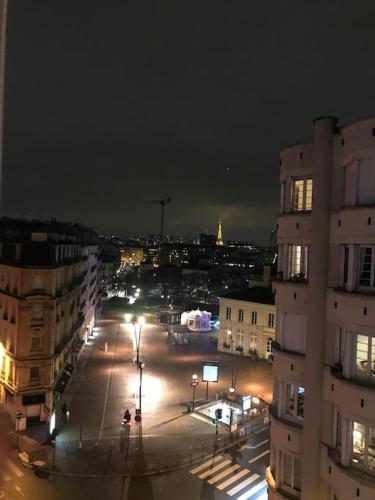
{"type": "Point", "coordinates": [137, 335]}
{"type": "Point", "coordinates": [141, 367]}
{"type": "Point", "coordinates": [194, 383]}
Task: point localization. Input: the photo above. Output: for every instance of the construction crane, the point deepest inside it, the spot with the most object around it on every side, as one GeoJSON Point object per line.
{"type": "Point", "coordinates": [162, 203]}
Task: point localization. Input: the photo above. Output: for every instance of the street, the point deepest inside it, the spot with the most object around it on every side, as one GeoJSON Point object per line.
{"type": "Point", "coordinates": [93, 443]}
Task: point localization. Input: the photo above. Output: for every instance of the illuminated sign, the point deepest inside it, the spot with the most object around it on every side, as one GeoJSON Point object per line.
{"type": "Point", "coordinates": [246, 403]}
{"type": "Point", "coordinates": [210, 371]}
{"type": "Point", "coordinates": [52, 423]}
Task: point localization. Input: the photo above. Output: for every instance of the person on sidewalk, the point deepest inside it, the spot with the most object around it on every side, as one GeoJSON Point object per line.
{"type": "Point", "coordinates": [64, 409]}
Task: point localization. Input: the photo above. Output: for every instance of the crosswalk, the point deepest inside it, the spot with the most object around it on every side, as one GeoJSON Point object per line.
{"type": "Point", "coordinates": [12, 471]}
{"type": "Point", "coordinates": [236, 481]}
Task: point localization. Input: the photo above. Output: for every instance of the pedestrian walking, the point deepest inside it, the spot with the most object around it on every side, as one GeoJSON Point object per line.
{"type": "Point", "coordinates": [64, 409]}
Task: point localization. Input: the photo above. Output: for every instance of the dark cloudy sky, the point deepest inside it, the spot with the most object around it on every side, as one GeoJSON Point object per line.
{"type": "Point", "coordinates": [113, 103]}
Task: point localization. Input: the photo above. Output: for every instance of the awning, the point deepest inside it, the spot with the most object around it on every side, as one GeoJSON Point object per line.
{"type": "Point", "coordinates": [64, 378]}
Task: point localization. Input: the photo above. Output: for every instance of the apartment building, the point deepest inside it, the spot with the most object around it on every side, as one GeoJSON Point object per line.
{"type": "Point", "coordinates": [48, 297]}
{"type": "Point", "coordinates": [247, 322]}
{"type": "Point", "coordinates": [323, 413]}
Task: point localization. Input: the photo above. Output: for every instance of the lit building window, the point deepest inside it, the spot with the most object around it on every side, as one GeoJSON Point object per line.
{"type": "Point", "coordinates": [294, 404]}
{"type": "Point", "coordinates": [302, 195]}
{"type": "Point", "coordinates": [363, 446]}
{"type": "Point", "coordinates": [297, 261]}
{"type": "Point", "coordinates": [254, 317]}
{"type": "Point", "coordinates": [269, 344]}
{"type": "Point", "coordinates": [365, 356]}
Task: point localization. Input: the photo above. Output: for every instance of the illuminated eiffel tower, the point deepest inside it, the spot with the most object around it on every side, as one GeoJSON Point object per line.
{"type": "Point", "coordinates": [219, 238]}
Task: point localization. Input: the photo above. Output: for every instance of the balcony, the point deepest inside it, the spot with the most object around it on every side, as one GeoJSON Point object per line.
{"type": "Point", "coordinates": [348, 308]}
{"type": "Point", "coordinates": [285, 434]}
{"type": "Point", "coordinates": [354, 397]}
{"type": "Point", "coordinates": [288, 365]}
{"type": "Point", "coordinates": [356, 221]}
{"type": "Point", "coordinates": [347, 482]}
{"type": "Point", "coordinates": [294, 227]}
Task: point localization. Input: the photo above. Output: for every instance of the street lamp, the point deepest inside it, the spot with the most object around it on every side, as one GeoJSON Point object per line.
{"type": "Point", "coordinates": [194, 382]}
{"type": "Point", "coordinates": [141, 366]}
{"type": "Point", "coordinates": [137, 335]}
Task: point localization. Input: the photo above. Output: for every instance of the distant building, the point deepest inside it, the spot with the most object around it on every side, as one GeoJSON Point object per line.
{"type": "Point", "coordinates": [273, 238]}
{"type": "Point", "coordinates": [247, 322]}
{"type": "Point", "coordinates": [205, 239]}
{"type": "Point", "coordinates": [111, 260]}
{"type": "Point", "coordinates": [49, 293]}
{"type": "Point", "coordinates": [131, 255]}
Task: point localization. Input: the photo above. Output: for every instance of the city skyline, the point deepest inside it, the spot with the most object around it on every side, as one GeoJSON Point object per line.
{"type": "Point", "coordinates": [103, 113]}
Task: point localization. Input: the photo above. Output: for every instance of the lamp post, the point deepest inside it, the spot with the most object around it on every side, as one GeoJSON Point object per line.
{"type": "Point", "coordinates": [141, 366]}
{"type": "Point", "coordinates": [137, 335]}
{"type": "Point", "coordinates": [194, 382]}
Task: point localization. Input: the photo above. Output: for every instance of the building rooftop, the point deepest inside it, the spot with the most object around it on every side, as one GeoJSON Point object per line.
{"type": "Point", "coordinates": [260, 294]}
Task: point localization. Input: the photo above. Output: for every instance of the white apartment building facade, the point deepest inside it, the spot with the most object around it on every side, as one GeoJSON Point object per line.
{"type": "Point", "coordinates": [323, 412]}
{"type": "Point", "coordinates": [247, 322]}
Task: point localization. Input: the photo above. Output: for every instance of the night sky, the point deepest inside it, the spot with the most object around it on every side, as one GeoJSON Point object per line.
{"type": "Point", "coordinates": [113, 103]}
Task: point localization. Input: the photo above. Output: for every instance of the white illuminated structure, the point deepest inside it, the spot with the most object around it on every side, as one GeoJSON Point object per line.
{"type": "Point", "coordinates": [197, 321]}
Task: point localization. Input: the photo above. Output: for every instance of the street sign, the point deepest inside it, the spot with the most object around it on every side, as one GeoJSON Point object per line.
{"type": "Point", "coordinates": [210, 371]}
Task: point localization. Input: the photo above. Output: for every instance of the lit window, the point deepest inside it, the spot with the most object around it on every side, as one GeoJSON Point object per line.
{"type": "Point", "coordinates": [365, 356]}
{"type": "Point", "coordinates": [294, 404]}
{"type": "Point", "coordinates": [363, 446]}
{"type": "Point", "coordinates": [269, 344]}
{"type": "Point", "coordinates": [302, 195]}
{"type": "Point", "coordinates": [254, 317]}
{"type": "Point", "coordinates": [297, 261]}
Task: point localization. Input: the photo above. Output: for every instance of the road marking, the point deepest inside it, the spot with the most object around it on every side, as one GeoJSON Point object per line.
{"type": "Point", "coordinates": [212, 471]}
{"type": "Point", "coordinates": [223, 474]}
{"type": "Point", "coordinates": [232, 479]}
{"type": "Point", "coordinates": [242, 485]}
{"type": "Point", "coordinates": [264, 496]}
{"type": "Point", "coordinates": [249, 447]}
{"type": "Point", "coordinates": [19, 490]}
{"type": "Point", "coordinates": [258, 457]}
{"type": "Point", "coordinates": [206, 464]}
{"type": "Point", "coordinates": [248, 494]}
{"type": "Point", "coordinates": [15, 469]}
{"type": "Point", "coordinates": [108, 386]}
